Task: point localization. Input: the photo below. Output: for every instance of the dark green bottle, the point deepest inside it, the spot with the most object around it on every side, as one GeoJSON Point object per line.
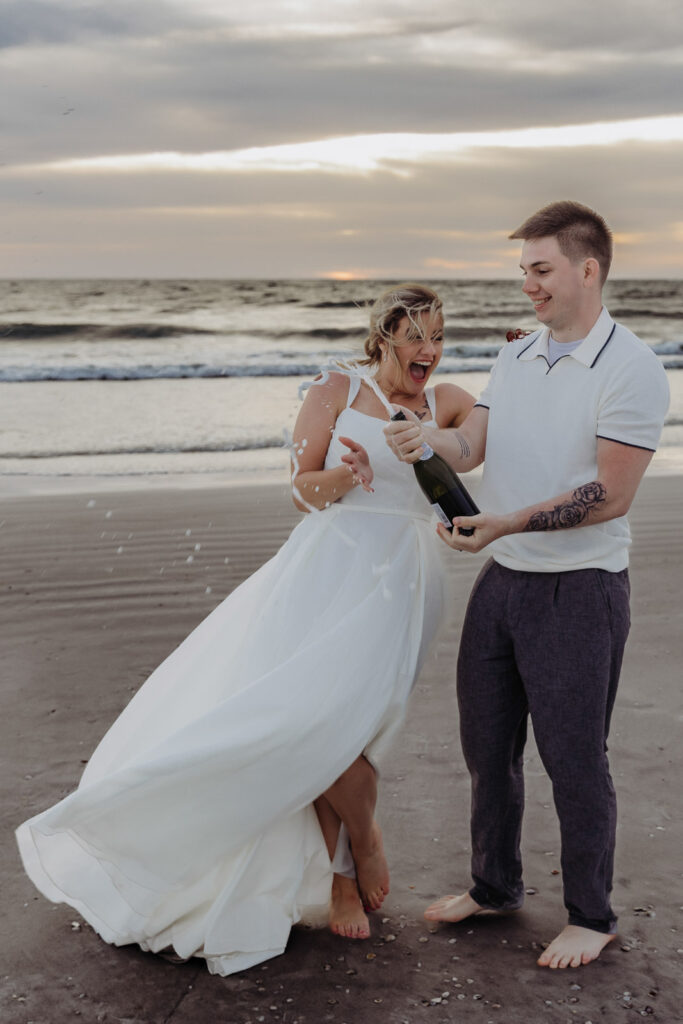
{"type": "Point", "coordinates": [442, 488]}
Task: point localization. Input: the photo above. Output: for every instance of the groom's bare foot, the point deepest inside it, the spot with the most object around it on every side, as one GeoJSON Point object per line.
{"type": "Point", "coordinates": [573, 947]}
{"type": "Point", "coordinates": [347, 916]}
{"type": "Point", "coordinates": [452, 908]}
{"type": "Point", "coordinates": [372, 870]}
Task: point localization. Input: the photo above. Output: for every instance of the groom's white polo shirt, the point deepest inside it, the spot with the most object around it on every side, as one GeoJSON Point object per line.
{"type": "Point", "coordinates": [543, 429]}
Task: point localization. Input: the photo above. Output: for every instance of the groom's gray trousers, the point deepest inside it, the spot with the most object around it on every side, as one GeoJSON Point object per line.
{"type": "Point", "coordinates": [549, 645]}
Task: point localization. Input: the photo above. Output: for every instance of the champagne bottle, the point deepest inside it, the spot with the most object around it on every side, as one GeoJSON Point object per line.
{"type": "Point", "coordinates": [442, 487]}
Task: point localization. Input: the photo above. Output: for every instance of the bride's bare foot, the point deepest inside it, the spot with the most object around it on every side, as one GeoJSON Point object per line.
{"type": "Point", "coordinates": [372, 870]}
{"type": "Point", "coordinates": [573, 947]}
{"type": "Point", "coordinates": [452, 908]}
{"type": "Point", "coordinates": [347, 916]}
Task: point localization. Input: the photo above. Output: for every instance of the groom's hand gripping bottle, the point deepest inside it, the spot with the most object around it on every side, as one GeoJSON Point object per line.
{"type": "Point", "coordinates": [442, 487]}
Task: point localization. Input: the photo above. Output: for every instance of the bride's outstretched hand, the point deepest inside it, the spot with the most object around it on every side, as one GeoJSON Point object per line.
{"type": "Point", "coordinates": [358, 462]}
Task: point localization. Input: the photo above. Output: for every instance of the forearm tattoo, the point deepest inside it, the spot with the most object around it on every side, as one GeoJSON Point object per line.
{"type": "Point", "coordinates": [464, 447]}
{"type": "Point", "coordinates": [571, 512]}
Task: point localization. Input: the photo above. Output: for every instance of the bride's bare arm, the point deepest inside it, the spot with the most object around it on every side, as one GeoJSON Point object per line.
{"type": "Point", "coordinates": [311, 482]}
{"type": "Point", "coordinates": [453, 405]}
{"type": "Point", "coordinates": [463, 447]}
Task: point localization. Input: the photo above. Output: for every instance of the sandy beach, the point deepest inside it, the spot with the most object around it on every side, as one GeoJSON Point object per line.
{"type": "Point", "coordinates": [97, 587]}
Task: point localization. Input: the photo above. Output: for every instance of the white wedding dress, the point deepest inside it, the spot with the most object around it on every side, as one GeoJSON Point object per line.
{"type": "Point", "coordinates": [193, 825]}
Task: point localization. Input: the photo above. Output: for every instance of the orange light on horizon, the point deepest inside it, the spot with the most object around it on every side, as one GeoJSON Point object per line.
{"type": "Point", "coordinates": [343, 275]}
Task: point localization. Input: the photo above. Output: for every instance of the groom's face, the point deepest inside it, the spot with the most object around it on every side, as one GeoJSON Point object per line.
{"type": "Point", "coordinates": [553, 283]}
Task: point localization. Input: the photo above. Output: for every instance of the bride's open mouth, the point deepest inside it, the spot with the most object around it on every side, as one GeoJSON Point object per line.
{"type": "Point", "coordinates": [419, 370]}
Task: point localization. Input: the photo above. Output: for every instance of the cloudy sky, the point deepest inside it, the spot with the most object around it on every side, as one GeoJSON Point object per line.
{"type": "Point", "coordinates": [347, 138]}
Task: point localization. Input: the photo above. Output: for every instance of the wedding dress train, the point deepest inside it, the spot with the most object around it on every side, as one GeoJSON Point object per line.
{"type": "Point", "coordinates": [193, 825]}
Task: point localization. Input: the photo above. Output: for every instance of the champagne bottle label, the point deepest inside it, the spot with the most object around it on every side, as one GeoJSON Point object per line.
{"type": "Point", "coordinates": [441, 515]}
{"type": "Point", "coordinates": [427, 452]}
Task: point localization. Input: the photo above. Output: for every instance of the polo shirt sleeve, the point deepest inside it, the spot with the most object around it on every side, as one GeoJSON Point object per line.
{"type": "Point", "coordinates": [634, 403]}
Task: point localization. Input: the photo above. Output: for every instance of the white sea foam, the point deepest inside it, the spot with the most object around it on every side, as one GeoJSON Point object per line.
{"type": "Point", "coordinates": [199, 377]}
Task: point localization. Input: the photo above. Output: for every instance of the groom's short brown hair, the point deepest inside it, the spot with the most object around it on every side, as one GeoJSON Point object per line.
{"type": "Point", "coordinates": [581, 233]}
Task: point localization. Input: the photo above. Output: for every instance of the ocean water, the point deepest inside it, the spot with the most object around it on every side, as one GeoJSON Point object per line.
{"type": "Point", "coordinates": [148, 378]}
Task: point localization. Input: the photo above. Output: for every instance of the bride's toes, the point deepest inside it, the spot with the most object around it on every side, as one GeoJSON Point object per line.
{"type": "Point", "coordinates": [374, 900]}
{"type": "Point", "coordinates": [347, 917]}
{"type": "Point", "coordinates": [373, 871]}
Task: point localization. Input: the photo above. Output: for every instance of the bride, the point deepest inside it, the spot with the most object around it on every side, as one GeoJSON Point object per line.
{"type": "Point", "coordinates": [235, 795]}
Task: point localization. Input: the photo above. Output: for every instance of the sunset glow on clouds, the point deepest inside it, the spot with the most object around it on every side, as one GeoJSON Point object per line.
{"type": "Point", "coordinates": [392, 152]}
{"type": "Point", "coordinates": [352, 138]}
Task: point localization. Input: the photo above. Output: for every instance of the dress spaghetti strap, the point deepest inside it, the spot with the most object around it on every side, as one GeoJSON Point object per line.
{"type": "Point", "coordinates": [354, 388]}
{"type": "Point", "coordinates": [430, 395]}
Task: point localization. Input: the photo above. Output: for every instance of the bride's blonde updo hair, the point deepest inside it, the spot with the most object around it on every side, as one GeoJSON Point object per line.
{"type": "Point", "coordinates": [387, 312]}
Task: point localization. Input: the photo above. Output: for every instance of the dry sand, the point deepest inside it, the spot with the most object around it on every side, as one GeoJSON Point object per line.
{"type": "Point", "coordinates": [95, 595]}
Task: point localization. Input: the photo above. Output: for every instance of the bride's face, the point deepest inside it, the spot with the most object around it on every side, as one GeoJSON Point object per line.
{"type": "Point", "coordinates": [409, 364]}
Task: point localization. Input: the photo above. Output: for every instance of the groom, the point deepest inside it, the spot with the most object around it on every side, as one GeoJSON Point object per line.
{"type": "Point", "coordinates": [567, 424]}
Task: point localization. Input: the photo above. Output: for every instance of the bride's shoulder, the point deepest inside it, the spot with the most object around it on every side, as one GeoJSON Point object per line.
{"type": "Point", "coordinates": [329, 382]}
{"type": "Point", "coordinates": [453, 404]}
{"type": "Point", "coordinates": [338, 381]}
{"type": "Point", "coordinates": [329, 391]}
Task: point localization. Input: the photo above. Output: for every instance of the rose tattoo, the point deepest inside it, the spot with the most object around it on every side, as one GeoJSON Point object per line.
{"type": "Point", "coordinates": [571, 512]}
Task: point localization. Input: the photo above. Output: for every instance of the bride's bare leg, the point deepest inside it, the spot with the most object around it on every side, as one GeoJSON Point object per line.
{"type": "Point", "coordinates": [347, 916]}
{"type": "Point", "coordinates": [354, 796]}
{"type": "Point", "coordinates": [330, 823]}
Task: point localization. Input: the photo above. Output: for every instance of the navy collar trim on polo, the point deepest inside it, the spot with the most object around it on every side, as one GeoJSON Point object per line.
{"type": "Point", "coordinates": [588, 352]}
{"type": "Point", "coordinates": [535, 338]}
